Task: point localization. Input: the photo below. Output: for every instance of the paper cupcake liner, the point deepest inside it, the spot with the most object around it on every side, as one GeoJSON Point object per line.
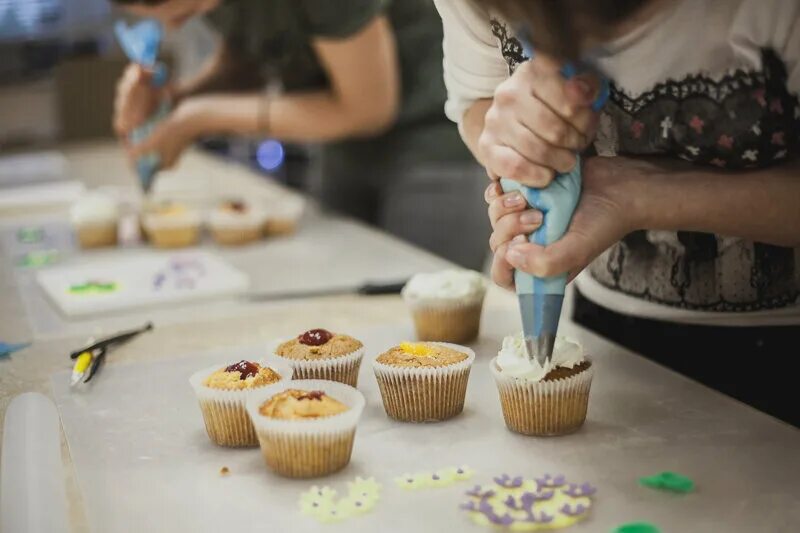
{"type": "Point", "coordinates": [307, 448]}
{"type": "Point", "coordinates": [225, 412]}
{"type": "Point", "coordinates": [447, 320]}
{"type": "Point", "coordinates": [174, 237]}
{"type": "Point", "coordinates": [544, 408]}
{"type": "Point", "coordinates": [97, 234]}
{"type": "Point", "coordinates": [280, 226]}
{"type": "Point", "coordinates": [424, 394]}
{"type": "Point", "coordinates": [234, 236]}
{"type": "Point", "coordinates": [343, 368]}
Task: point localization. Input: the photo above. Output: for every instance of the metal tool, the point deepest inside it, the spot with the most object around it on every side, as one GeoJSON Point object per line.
{"type": "Point", "coordinates": [89, 359]}
{"type": "Point", "coordinates": [367, 289]}
{"type": "Point", "coordinates": [541, 299]}
{"type": "Point", "coordinates": [141, 43]}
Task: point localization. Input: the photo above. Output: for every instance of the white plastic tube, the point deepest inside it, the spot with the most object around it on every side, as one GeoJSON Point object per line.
{"type": "Point", "coordinates": [33, 498]}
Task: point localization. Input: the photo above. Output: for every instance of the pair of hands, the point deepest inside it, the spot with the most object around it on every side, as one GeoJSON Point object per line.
{"type": "Point", "coordinates": [535, 125]}
{"type": "Point", "coordinates": [135, 102]}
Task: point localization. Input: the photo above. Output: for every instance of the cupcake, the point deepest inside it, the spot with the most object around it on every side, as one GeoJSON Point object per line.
{"type": "Point", "coordinates": [284, 215]}
{"type": "Point", "coordinates": [95, 218]}
{"type": "Point", "coordinates": [543, 400]}
{"type": "Point", "coordinates": [320, 354]}
{"type": "Point", "coordinates": [306, 428]}
{"type": "Point", "coordinates": [223, 393]}
{"type": "Point", "coordinates": [171, 225]}
{"type": "Point", "coordinates": [423, 381]}
{"type": "Point", "coordinates": [446, 306]}
{"type": "Point", "coordinates": [236, 222]}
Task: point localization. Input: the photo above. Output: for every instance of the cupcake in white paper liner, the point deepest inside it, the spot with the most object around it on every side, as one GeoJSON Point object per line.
{"type": "Point", "coordinates": [446, 306]}
{"type": "Point", "coordinates": [306, 427]}
{"type": "Point", "coordinates": [171, 224]}
{"type": "Point", "coordinates": [423, 381]}
{"type": "Point", "coordinates": [321, 354]}
{"type": "Point", "coordinates": [236, 222]}
{"type": "Point", "coordinates": [544, 400]}
{"type": "Point", "coordinates": [284, 215]}
{"type": "Point", "coordinates": [222, 392]}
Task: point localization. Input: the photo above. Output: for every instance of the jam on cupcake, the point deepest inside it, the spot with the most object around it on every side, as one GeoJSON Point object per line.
{"type": "Point", "coordinates": [322, 354]}
{"type": "Point", "coordinates": [295, 404]}
{"type": "Point", "coordinates": [242, 375]}
{"type": "Point", "coordinates": [235, 222]}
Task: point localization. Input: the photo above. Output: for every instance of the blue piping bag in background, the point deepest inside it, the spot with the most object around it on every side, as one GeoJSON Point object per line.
{"type": "Point", "coordinates": [141, 43]}
{"type": "Point", "coordinates": [541, 299]}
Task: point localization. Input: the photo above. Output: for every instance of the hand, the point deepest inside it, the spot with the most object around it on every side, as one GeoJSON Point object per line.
{"type": "Point", "coordinates": [607, 211]}
{"type": "Point", "coordinates": [136, 99]}
{"type": "Point", "coordinates": [536, 123]}
{"type": "Point", "coordinates": [173, 134]}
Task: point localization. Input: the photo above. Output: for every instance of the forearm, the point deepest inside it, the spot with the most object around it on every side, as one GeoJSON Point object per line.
{"type": "Point", "coordinates": [762, 205]}
{"type": "Point", "coordinates": [302, 117]}
{"type": "Point", "coordinates": [472, 125]}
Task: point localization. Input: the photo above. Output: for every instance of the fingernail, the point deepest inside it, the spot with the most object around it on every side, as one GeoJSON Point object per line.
{"type": "Point", "coordinates": [515, 257]}
{"type": "Point", "coordinates": [491, 191]}
{"type": "Point", "coordinates": [530, 217]}
{"type": "Point", "coordinates": [513, 200]}
{"type": "Point", "coordinates": [519, 239]}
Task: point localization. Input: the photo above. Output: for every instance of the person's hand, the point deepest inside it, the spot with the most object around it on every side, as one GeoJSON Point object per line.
{"type": "Point", "coordinates": [173, 134]}
{"type": "Point", "coordinates": [609, 209]}
{"type": "Point", "coordinates": [136, 99]}
{"type": "Point", "coordinates": [537, 122]}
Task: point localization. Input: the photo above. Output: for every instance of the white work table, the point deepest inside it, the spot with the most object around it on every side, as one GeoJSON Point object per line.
{"type": "Point", "coordinates": [642, 418]}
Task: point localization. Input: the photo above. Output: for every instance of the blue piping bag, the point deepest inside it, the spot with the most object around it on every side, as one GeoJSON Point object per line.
{"type": "Point", "coordinates": [141, 43]}
{"type": "Point", "coordinates": [541, 299]}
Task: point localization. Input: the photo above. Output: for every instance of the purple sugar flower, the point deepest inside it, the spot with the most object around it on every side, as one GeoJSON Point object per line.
{"type": "Point", "coordinates": [550, 481]}
{"type": "Point", "coordinates": [508, 482]}
{"type": "Point", "coordinates": [511, 503]}
{"type": "Point", "coordinates": [577, 491]}
{"type": "Point", "coordinates": [477, 492]}
{"type": "Point", "coordinates": [505, 520]}
{"type": "Point", "coordinates": [573, 511]}
{"type": "Point", "coordinates": [543, 518]}
{"type": "Point", "coordinates": [435, 477]}
{"type": "Point", "coordinates": [468, 506]}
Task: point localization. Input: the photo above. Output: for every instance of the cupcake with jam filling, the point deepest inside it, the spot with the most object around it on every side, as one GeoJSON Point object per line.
{"type": "Point", "coordinates": [171, 224]}
{"type": "Point", "coordinates": [306, 428]}
{"type": "Point", "coordinates": [321, 354]}
{"type": "Point", "coordinates": [236, 222]}
{"type": "Point", "coordinates": [223, 392]}
{"type": "Point", "coordinates": [423, 381]}
{"type": "Point", "coordinates": [543, 400]}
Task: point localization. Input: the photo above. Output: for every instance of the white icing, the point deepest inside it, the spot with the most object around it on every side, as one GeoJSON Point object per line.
{"type": "Point", "coordinates": [94, 208]}
{"type": "Point", "coordinates": [513, 359]}
{"type": "Point", "coordinates": [446, 284]}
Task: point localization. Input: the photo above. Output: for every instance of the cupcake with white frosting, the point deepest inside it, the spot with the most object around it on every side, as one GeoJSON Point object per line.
{"type": "Point", "coordinates": [543, 400]}
{"type": "Point", "coordinates": [95, 218]}
{"type": "Point", "coordinates": [235, 222]}
{"type": "Point", "coordinates": [446, 306]}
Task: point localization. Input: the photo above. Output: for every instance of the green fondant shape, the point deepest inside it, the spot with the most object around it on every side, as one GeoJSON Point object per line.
{"type": "Point", "coordinates": [670, 481]}
{"type": "Point", "coordinates": [637, 527]}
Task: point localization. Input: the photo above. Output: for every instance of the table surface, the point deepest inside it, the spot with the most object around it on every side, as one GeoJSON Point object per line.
{"type": "Point", "coordinates": [643, 418]}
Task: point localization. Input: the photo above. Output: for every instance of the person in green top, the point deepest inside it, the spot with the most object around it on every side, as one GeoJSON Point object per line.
{"type": "Point", "coordinates": [361, 77]}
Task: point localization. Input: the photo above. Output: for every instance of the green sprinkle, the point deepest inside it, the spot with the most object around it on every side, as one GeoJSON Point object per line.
{"type": "Point", "coordinates": [30, 235]}
{"type": "Point", "coordinates": [93, 287]}
{"type": "Point", "coordinates": [669, 481]}
{"type": "Point", "coordinates": [38, 259]}
{"type": "Point", "coordinates": [637, 527]}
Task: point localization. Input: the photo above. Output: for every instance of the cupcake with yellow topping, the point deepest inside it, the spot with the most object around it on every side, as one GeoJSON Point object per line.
{"type": "Point", "coordinates": [236, 222]}
{"type": "Point", "coordinates": [446, 306]}
{"type": "Point", "coordinates": [423, 381]}
{"type": "Point", "coordinates": [543, 400]}
{"type": "Point", "coordinates": [306, 428]}
{"type": "Point", "coordinates": [171, 224]}
{"type": "Point", "coordinates": [222, 393]}
{"type": "Point", "coordinates": [321, 354]}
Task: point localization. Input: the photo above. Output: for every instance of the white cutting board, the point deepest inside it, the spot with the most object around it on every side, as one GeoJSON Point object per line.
{"type": "Point", "coordinates": [131, 281]}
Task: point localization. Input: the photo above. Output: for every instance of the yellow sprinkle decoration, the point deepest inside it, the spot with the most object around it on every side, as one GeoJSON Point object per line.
{"type": "Point", "coordinates": [419, 349]}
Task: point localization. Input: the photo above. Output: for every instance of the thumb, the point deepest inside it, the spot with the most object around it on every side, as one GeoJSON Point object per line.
{"type": "Point", "coordinates": [582, 90]}
{"type": "Point", "coordinates": [557, 258]}
{"type": "Point", "coordinates": [144, 75]}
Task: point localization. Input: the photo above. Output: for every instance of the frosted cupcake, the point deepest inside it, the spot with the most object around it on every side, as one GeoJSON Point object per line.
{"type": "Point", "coordinates": [423, 381]}
{"type": "Point", "coordinates": [543, 400]}
{"type": "Point", "coordinates": [446, 306]}
{"type": "Point", "coordinates": [320, 354]}
{"type": "Point", "coordinates": [223, 393]}
{"type": "Point", "coordinates": [171, 225]}
{"type": "Point", "coordinates": [95, 218]}
{"type": "Point", "coordinates": [236, 222]}
{"type": "Point", "coordinates": [284, 215]}
{"type": "Point", "coordinates": [306, 428]}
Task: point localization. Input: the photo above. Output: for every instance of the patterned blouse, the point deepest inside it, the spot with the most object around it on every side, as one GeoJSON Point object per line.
{"type": "Point", "coordinates": [714, 83]}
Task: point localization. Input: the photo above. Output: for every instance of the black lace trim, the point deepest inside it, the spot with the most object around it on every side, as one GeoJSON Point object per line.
{"type": "Point", "coordinates": [510, 47]}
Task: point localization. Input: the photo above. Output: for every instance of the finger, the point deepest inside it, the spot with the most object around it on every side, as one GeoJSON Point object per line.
{"type": "Point", "coordinates": [507, 162]}
{"type": "Point", "coordinates": [550, 127]}
{"type": "Point", "coordinates": [507, 203]}
{"type": "Point", "coordinates": [569, 99]}
{"type": "Point", "coordinates": [492, 191]}
{"type": "Point", "coordinates": [531, 145]}
{"type": "Point", "coordinates": [560, 257]}
{"type": "Point", "coordinates": [513, 225]}
{"type": "Point", "coordinates": [501, 271]}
